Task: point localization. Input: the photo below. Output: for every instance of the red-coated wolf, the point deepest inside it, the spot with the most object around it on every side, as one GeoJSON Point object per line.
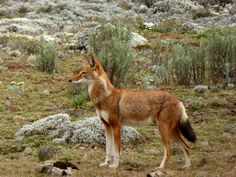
{"type": "Point", "coordinates": [116, 107]}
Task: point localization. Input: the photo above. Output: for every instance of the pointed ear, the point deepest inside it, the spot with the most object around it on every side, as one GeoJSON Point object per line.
{"type": "Point", "coordinates": [93, 61]}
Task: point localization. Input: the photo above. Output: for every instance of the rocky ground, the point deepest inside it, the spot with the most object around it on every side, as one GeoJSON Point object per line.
{"type": "Point", "coordinates": [28, 95]}
{"type": "Point", "coordinates": [44, 16]}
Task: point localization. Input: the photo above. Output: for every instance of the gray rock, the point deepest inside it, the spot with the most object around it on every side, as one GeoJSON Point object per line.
{"type": "Point", "coordinates": [201, 89]}
{"type": "Point", "coordinates": [156, 174]}
{"type": "Point", "coordinates": [202, 174]}
{"type": "Point", "coordinates": [51, 168]}
{"type": "Point", "coordinates": [6, 49]}
{"type": "Point", "coordinates": [15, 53]}
{"type": "Point", "coordinates": [37, 17]}
{"type": "Point", "coordinates": [60, 129]}
{"type": "Point", "coordinates": [45, 126]}
{"type": "Point", "coordinates": [31, 58]}
{"type": "Point", "coordinates": [138, 40]}
{"type": "Point", "coordinates": [46, 92]}
{"type": "Point", "coordinates": [59, 141]}
{"type": "Point", "coordinates": [143, 8]}
{"type": "Point", "coordinates": [28, 151]}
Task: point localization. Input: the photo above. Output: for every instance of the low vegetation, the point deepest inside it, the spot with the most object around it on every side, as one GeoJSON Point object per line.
{"type": "Point", "coordinates": [212, 60]}
{"type": "Point", "coordinates": [178, 58]}
{"type": "Point", "coordinates": [47, 58]}
{"type": "Point", "coordinates": [112, 46]}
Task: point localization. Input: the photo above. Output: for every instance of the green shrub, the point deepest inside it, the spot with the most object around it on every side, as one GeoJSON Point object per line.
{"type": "Point", "coordinates": [47, 59]}
{"type": "Point", "coordinates": [167, 26]}
{"type": "Point", "coordinates": [164, 71]}
{"type": "Point", "coordinates": [182, 64]}
{"type": "Point", "coordinates": [80, 100]}
{"type": "Point", "coordinates": [2, 107]}
{"type": "Point", "coordinates": [198, 56]}
{"type": "Point", "coordinates": [215, 101]}
{"type": "Point", "coordinates": [202, 14]}
{"type": "Point", "coordinates": [159, 49]}
{"type": "Point", "coordinates": [46, 152]}
{"type": "Point", "coordinates": [24, 43]}
{"type": "Point", "coordinates": [112, 46]}
{"type": "Point", "coordinates": [222, 55]}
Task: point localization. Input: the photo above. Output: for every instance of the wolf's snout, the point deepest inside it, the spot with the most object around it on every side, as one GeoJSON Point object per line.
{"type": "Point", "coordinates": [70, 80]}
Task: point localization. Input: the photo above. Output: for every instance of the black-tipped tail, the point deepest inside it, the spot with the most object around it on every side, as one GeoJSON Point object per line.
{"type": "Point", "coordinates": [187, 131]}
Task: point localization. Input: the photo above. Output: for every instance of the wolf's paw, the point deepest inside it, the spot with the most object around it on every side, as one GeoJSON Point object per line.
{"type": "Point", "coordinates": [155, 174]}
{"type": "Point", "coordinates": [186, 167]}
{"type": "Point", "coordinates": [113, 166]}
{"type": "Point", "coordinates": [103, 164]}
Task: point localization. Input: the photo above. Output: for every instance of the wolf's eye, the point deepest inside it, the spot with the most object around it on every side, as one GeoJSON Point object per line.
{"type": "Point", "coordinates": [83, 73]}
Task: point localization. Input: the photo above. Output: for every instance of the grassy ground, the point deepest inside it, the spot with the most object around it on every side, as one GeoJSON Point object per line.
{"type": "Point", "coordinates": [213, 120]}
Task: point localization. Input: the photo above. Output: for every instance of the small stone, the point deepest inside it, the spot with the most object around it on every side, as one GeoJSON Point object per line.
{"type": "Point", "coordinates": [156, 174]}
{"type": "Point", "coordinates": [15, 53]}
{"type": "Point", "coordinates": [31, 58]}
{"type": "Point", "coordinates": [143, 8]}
{"type": "Point", "coordinates": [230, 86]}
{"type": "Point", "coordinates": [28, 151]}
{"type": "Point", "coordinates": [1, 83]}
{"type": "Point", "coordinates": [45, 168]}
{"type": "Point", "coordinates": [202, 174]}
{"type": "Point", "coordinates": [200, 89]}
{"type": "Point", "coordinates": [138, 40]}
{"type": "Point", "coordinates": [3, 68]}
{"type": "Point", "coordinates": [59, 141]}
{"type": "Point", "coordinates": [1, 61]}
{"type": "Point", "coordinates": [226, 135]}
{"type": "Point", "coordinates": [57, 172]}
{"type": "Point", "coordinates": [46, 92]}
{"type": "Point", "coordinates": [204, 144]}
{"type": "Point", "coordinates": [6, 49]}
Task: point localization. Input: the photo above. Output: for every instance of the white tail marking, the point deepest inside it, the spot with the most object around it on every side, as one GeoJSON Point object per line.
{"type": "Point", "coordinates": [184, 116]}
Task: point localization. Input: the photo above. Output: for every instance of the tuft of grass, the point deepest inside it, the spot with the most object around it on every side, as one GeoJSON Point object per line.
{"type": "Point", "coordinates": [80, 100]}
{"type": "Point", "coordinates": [47, 59]}
{"type": "Point", "coordinates": [24, 43]}
{"type": "Point", "coordinates": [46, 152]}
{"type": "Point", "coordinates": [222, 55]}
{"type": "Point", "coordinates": [112, 46]}
{"type": "Point", "coordinates": [2, 108]}
{"type": "Point", "coordinates": [168, 26]}
{"type": "Point", "coordinates": [203, 14]}
{"type": "Point", "coordinates": [182, 63]}
{"type": "Point", "coordinates": [217, 102]}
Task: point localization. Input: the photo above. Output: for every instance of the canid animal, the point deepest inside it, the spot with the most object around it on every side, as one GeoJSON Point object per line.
{"type": "Point", "coordinates": [116, 107]}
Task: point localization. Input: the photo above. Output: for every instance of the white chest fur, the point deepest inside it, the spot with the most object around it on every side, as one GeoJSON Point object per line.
{"type": "Point", "coordinates": [103, 114]}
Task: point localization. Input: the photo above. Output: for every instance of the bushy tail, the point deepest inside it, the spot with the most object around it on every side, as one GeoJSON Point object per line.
{"type": "Point", "coordinates": [185, 126]}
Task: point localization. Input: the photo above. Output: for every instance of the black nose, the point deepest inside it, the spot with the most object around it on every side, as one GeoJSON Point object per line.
{"type": "Point", "coordinates": [70, 80]}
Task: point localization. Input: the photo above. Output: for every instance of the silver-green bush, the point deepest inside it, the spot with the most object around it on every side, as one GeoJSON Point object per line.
{"type": "Point", "coordinates": [47, 58]}
{"type": "Point", "coordinates": [222, 55]}
{"type": "Point", "coordinates": [112, 46]}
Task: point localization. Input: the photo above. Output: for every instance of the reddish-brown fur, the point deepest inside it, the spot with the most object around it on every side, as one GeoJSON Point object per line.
{"type": "Point", "coordinates": [117, 107]}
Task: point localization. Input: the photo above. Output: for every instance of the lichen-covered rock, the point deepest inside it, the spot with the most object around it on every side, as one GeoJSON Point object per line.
{"type": "Point", "coordinates": [200, 89]}
{"type": "Point", "coordinates": [61, 130]}
{"type": "Point", "coordinates": [54, 126]}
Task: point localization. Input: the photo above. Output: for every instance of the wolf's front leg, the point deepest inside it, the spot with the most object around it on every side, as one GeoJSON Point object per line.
{"type": "Point", "coordinates": [117, 146]}
{"type": "Point", "coordinates": [109, 146]}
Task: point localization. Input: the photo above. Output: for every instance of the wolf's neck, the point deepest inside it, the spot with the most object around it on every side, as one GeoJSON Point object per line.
{"type": "Point", "coordinates": [100, 89]}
